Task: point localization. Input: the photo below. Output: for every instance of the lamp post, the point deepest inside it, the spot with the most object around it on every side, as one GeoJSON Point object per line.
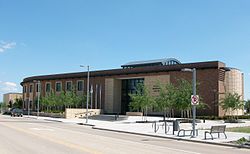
{"type": "Point", "coordinates": [38, 95]}
{"type": "Point", "coordinates": [87, 106]}
{"type": "Point", "coordinates": [91, 96]}
{"type": "Point", "coordinates": [29, 107]}
{"type": "Point", "coordinates": [194, 93]}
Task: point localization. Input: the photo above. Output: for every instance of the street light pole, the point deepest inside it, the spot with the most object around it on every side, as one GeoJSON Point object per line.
{"type": "Point", "coordinates": [91, 96]}
{"type": "Point", "coordinates": [194, 106]}
{"type": "Point", "coordinates": [194, 93]}
{"type": "Point", "coordinates": [29, 106]}
{"type": "Point", "coordinates": [38, 96]}
{"type": "Point", "coordinates": [87, 106]}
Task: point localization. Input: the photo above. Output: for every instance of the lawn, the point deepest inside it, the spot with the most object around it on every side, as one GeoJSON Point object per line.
{"type": "Point", "coordinates": [239, 129]}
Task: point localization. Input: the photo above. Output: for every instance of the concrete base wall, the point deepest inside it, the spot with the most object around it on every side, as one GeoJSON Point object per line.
{"type": "Point", "coordinates": [134, 113]}
{"type": "Point", "coordinates": [76, 113]}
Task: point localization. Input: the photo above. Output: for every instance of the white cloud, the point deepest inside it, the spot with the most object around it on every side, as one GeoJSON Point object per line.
{"type": "Point", "coordinates": [6, 45]}
{"type": "Point", "coordinates": [8, 87]}
{"type": "Point", "coordinates": [12, 84]}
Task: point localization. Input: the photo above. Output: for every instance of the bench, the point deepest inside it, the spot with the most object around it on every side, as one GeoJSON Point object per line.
{"type": "Point", "coordinates": [216, 129]}
{"type": "Point", "coordinates": [186, 130]}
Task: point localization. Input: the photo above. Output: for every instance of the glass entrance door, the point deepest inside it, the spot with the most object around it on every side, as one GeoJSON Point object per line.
{"type": "Point", "coordinates": [128, 87]}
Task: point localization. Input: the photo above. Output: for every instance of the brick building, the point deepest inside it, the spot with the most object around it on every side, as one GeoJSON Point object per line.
{"type": "Point", "coordinates": [110, 88]}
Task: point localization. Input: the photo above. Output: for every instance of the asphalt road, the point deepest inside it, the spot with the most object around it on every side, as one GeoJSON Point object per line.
{"type": "Point", "coordinates": [31, 136]}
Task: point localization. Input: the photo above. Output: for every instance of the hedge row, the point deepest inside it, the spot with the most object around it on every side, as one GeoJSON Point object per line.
{"type": "Point", "coordinates": [223, 118]}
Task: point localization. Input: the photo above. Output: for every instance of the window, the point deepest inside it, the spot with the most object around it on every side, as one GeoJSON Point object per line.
{"type": "Point", "coordinates": [58, 86]}
{"type": "Point", "coordinates": [31, 88]}
{"type": "Point", "coordinates": [68, 85]}
{"type": "Point", "coordinates": [24, 89]}
{"type": "Point", "coordinates": [37, 87]}
{"type": "Point", "coordinates": [79, 85]}
{"type": "Point", "coordinates": [48, 86]}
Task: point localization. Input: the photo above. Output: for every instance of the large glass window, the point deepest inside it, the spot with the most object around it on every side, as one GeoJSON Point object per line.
{"type": "Point", "coordinates": [128, 87]}
{"type": "Point", "coordinates": [48, 87]}
{"type": "Point", "coordinates": [58, 86]}
{"type": "Point", "coordinates": [69, 85]}
{"type": "Point", "coordinates": [79, 85]}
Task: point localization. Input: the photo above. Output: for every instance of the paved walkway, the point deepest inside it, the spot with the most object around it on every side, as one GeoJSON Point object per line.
{"type": "Point", "coordinates": [129, 125]}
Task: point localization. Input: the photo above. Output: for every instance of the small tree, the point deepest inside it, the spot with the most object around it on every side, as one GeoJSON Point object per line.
{"type": "Point", "coordinates": [18, 103]}
{"type": "Point", "coordinates": [141, 100]}
{"type": "Point", "coordinates": [232, 102]}
{"type": "Point", "coordinates": [165, 102]}
{"type": "Point", "coordinates": [183, 95]}
{"type": "Point", "coordinates": [3, 106]}
{"type": "Point", "coordinates": [49, 101]}
{"type": "Point", "coordinates": [68, 99]}
{"type": "Point", "coordinates": [247, 106]}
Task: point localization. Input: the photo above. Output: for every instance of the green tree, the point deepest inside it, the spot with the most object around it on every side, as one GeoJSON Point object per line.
{"type": "Point", "coordinates": [58, 102]}
{"type": "Point", "coordinates": [247, 106]}
{"type": "Point", "coordinates": [165, 101]}
{"type": "Point", "coordinates": [18, 103]}
{"type": "Point", "coordinates": [3, 107]}
{"type": "Point", "coordinates": [44, 101]}
{"type": "Point", "coordinates": [68, 99]}
{"type": "Point", "coordinates": [49, 101]}
{"type": "Point", "coordinates": [141, 100]}
{"type": "Point", "coordinates": [183, 97]}
{"type": "Point", "coordinates": [232, 102]}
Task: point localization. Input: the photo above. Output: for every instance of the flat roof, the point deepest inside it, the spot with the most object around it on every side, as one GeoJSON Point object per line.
{"type": "Point", "coordinates": [127, 71]}
{"type": "Point", "coordinates": [12, 93]}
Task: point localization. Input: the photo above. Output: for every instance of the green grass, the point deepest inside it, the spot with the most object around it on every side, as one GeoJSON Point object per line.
{"type": "Point", "coordinates": [239, 129]}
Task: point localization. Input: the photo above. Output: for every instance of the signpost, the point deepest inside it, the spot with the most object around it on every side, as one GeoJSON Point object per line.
{"type": "Point", "coordinates": [195, 99]}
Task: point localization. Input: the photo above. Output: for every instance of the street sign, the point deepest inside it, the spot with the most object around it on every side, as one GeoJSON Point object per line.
{"type": "Point", "coordinates": [195, 99]}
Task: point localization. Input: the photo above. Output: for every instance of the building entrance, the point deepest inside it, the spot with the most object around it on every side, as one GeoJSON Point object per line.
{"type": "Point", "coordinates": [128, 87]}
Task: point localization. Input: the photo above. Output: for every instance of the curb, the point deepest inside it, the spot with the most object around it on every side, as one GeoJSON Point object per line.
{"type": "Point", "coordinates": [52, 120]}
{"type": "Point", "coordinates": [30, 117]}
{"type": "Point", "coordinates": [86, 124]}
{"type": "Point", "coordinates": [179, 139]}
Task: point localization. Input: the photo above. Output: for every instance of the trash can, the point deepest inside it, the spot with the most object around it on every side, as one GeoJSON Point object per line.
{"type": "Point", "coordinates": [176, 125]}
{"type": "Point", "coordinates": [116, 116]}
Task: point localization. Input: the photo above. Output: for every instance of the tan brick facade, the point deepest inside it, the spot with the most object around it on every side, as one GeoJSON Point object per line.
{"type": "Point", "coordinates": [152, 83]}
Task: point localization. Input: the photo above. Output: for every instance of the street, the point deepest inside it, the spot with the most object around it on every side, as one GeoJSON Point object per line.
{"type": "Point", "coordinates": [28, 136]}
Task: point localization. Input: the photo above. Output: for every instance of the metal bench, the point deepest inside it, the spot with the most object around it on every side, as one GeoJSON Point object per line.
{"type": "Point", "coordinates": [186, 130]}
{"type": "Point", "coordinates": [216, 129]}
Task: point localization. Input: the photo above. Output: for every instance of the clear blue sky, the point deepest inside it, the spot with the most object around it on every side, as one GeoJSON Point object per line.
{"type": "Point", "coordinates": [56, 36]}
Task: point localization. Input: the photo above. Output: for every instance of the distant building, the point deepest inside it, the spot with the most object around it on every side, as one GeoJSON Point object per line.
{"type": "Point", "coordinates": [111, 88]}
{"type": "Point", "coordinates": [9, 98]}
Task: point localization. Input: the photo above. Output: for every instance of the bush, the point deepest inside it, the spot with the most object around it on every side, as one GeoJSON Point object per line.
{"type": "Point", "coordinates": [242, 141]}
{"type": "Point", "coordinates": [222, 118]}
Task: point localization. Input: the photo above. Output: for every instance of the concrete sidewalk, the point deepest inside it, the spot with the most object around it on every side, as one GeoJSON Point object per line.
{"type": "Point", "coordinates": [129, 125]}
